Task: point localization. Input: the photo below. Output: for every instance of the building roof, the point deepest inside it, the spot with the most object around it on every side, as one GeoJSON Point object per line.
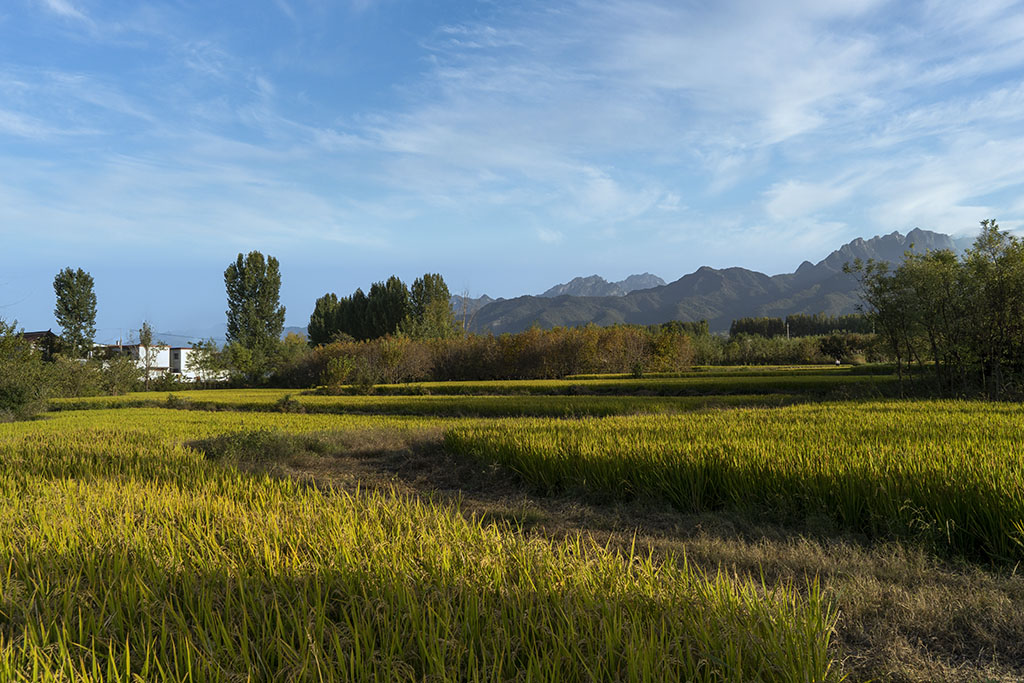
{"type": "Point", "coordinates": [33, 336]}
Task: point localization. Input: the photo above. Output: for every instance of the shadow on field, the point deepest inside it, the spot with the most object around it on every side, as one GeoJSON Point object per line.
{"type": "Point", "coordinates": [904, 615]}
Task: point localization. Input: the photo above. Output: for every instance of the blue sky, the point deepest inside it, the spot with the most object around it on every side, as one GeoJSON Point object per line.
{"type": "Point", "coordinates": [508, 146]}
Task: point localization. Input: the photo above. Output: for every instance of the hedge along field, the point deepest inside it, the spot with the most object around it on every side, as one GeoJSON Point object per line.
{"type": "Point", "coordinates": [946, 472]}
{"type": "Point", "coordinates": [126, 555]}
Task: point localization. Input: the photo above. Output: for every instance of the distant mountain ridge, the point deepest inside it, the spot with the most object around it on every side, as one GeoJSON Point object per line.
{"type": "Point", "coordinates": [466, 305]}
{"type": "Point", "coordinates": [716, 295]}
{"type": "Point", "coordinates": [595, 285]}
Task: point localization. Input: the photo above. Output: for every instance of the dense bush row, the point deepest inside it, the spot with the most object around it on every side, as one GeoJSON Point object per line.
{"type": "Point", "coordinates": [27, 380]}
{"type": "Point", "coordinates": [534, 354]}
{"type": "Point", "coordinates": [544, 354]}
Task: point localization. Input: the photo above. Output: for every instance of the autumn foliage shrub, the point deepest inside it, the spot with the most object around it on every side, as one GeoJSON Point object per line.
{"type": "Point", "coordinates": [533, 354]}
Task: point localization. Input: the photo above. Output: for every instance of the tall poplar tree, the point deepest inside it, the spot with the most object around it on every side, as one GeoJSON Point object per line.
{"type": "Point", "coordinates": [75, 310]}
{"type": "Point", "coordinates": [387, 307]}
{"type": "Point", "coordinates": [430, 310]}
{"type": "Point", "coordinates": [255, 314]}
{"type": "Point", "coordinates": [325, 321]}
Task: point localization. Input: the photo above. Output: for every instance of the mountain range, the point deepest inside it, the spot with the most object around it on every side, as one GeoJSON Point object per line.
{"type": "Point", "coordinates": [595, 285]}
{"type": "Point", "coordinates": [716, 295]}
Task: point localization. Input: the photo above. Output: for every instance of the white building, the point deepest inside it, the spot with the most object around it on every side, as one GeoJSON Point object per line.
{"type": "Point", "coordinates": [161, 359]}
{"type": "Point", "coordinates": [157, 358]}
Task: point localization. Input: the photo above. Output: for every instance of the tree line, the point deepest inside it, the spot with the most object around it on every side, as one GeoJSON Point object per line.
{"type": "Point", "coordinates": [423, 312]}
{"type": "Point", "coordinates": [802, 325]}
{"type": "Point", "coordinates": [956, 320]}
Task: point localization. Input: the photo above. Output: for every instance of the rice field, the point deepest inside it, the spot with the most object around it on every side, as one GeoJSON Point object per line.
{"type": "Point", "coordinates": [128, 552]}
{"type": "Point", "coordinates": [502, 405]}
{"type": "Point", "coordinates": [951, 473]}
{"type": "Point", "coordinates": [692, 384]}
{"type": "Point", "coordinates": [127, 555]}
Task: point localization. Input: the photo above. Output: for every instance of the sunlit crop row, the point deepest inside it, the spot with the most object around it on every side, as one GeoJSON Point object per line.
{"type": "Point", "coordinates": [949, 472]}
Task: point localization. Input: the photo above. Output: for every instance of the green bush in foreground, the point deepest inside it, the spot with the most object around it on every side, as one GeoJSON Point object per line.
{"type": "Point", "coordinates": [23, 386]}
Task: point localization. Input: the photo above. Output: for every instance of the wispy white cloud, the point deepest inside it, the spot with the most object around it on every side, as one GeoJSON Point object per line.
{"type": "Point", "coordinates": [797, 199]}
{"type": "Point", "coordinates": [762, 126]}
{"type": "Point", "coordinates": [65, 9]}
{"type": "Point", "coordinates": [549, 236]}
{"type": "Point", "coordinates": [362, 5]}
{"type": "Point", "coordinates": [158, 202]}
{"type": "Point", "coordinates": [22, 126]}
{"type": "Point", "coordinates": [286, 9]}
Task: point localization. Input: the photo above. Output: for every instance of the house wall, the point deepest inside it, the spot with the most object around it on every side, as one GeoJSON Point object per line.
{"type": "Point", "coordinates": [180, 364]}
{"type": "Point", "coordinates": [159, 361]}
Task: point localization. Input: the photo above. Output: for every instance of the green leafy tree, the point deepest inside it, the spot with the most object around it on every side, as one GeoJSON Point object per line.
{"type": "Point", "coordinates": [962, 320]}
{"type": "Point", "coordinates": [834, 346]}
{"type": "Point", "coordinates": [76, 310]}
{"type": "Point", "coordinates": [205, 361]}
{"type": "Point", "coordinates": [355, 316]}
{"type": "Point", "coordinates": [148, 353]}
{"type": "Point", "coordinates": [889, 300]}
{"type": "Point", "coordinates": [119, 374]}
{"type": "Point", "coordinates": [936, 313]}
{"type": "Point", "coordinates": [23, 383]}
{"type": "Point", "coordinates": [324, 323]}
{"type": "Point", "coordinates": [993, 283]}
{"type": "Point", "coordinates": [763, 327]}
{"type": "Point", "coordinates": [430, 309]}
{"type": "Point", "coordinates": [293, 348]}
{"type": "Point", "coordinates": [255, 314]}
{"type": "Point", "coordinates": [387, 307]}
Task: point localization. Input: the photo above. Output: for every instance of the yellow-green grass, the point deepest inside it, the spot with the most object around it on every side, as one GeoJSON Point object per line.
{"type": "Point", "coordinates": [219, 396]}
{"type": "Point", "coordinates": [951, 473]}
{"type": "Point", "coordinates": [278, 400]}
{"type": "Point", "coordinates": [694, 385]}
{"type": "Point", "coordinates": [126, 555]}
{"type": "Point", "coordinates": [726, 371]}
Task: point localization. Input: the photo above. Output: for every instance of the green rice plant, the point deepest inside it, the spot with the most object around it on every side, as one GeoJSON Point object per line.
{"type": "Point", "coordinates": [947, 472]}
